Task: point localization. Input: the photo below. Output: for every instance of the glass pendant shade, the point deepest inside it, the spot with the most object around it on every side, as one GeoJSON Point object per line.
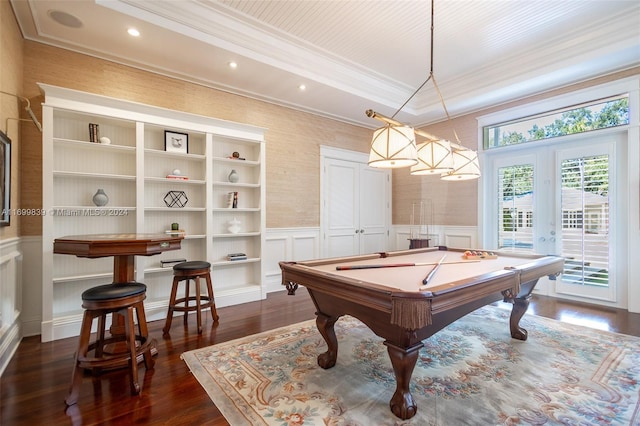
{"type": "Point", "coordinates": [433, 157]}
{"type": "Point", "coordinates": [393, 147]}
{"type": "Point", "coordinates": [465, 165]}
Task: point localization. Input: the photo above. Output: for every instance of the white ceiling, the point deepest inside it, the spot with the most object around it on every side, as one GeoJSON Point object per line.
{"type": "Point", "coordinates": [355, 55]}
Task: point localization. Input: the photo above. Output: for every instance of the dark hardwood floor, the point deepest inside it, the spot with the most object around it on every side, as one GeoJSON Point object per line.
{"type": "Point", "coordinates": [34, 385]}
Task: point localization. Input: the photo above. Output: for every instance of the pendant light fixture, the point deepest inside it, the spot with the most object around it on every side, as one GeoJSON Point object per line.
{"type": "Point", "coordinates": [465, 166]}
{"type": "Point", "coordinates": [434, 157]}
{"type": "Point", "coordinates": [394, 145]}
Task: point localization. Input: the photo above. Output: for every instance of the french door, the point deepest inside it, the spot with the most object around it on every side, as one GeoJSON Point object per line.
{"type": "Point", "coordinates": [558, 199]}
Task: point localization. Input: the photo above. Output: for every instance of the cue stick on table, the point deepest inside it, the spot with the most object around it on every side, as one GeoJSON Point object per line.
{"type": "Point", "coordinates": [432, 272]}
{"type": "Point", "coordinates": [397, 265]}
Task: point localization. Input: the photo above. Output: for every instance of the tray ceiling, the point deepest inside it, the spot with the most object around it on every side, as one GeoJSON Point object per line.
{"type": "Point", "coordinates": [353, 55]}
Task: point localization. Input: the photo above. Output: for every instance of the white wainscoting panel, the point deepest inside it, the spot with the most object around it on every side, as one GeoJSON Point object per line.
{"type": "Point", "coordinates": [287, 244]}
{"type": "Point", "coordinates": [31, 316]}
{"type": "Point", "coordinates": [450, 236]}
{"type": "Point", "coordinates": [10, 299]}
{"type": "Point", "coordinates": [402, 235]}
{"type": "Point", "coordinates": [461, 237]}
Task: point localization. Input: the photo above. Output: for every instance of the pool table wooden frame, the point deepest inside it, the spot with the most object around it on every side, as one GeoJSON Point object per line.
{"type": "Point", "coordinates": [406, 318]}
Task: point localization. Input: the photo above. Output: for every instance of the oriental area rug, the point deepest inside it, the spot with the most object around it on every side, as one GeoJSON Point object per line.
{"type": "Point", "coordinates": [470, 373]}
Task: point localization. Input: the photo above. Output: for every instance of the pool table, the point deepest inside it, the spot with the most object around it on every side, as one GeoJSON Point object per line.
{"type": "Point", "coordinates": [387, 294]}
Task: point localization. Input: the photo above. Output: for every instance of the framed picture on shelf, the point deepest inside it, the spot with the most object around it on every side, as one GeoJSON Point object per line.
{"type": "Point", "coordinates": [5, 178]}
{"type": "Point", "coordinates": [176, 142]}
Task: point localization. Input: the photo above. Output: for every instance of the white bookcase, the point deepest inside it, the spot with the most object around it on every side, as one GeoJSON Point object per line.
{"type": "Point", "coordinates": [132, 170]}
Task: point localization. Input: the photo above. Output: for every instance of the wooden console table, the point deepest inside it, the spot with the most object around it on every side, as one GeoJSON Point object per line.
{"type": "Point", "coordinates": [124, 248]}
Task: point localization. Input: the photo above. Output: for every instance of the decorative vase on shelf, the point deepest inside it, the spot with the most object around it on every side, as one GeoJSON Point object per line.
{"type": "Point", "coordinates": [234, 226]}
{"type": "Point", "coordinates": [233, 176]}
{"type": "Point", "coordinates": [100, 198]}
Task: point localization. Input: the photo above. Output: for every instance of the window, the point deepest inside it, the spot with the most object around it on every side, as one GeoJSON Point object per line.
{"type": "Point", "coordinates": [515, 189]}
{"type": "Point", "coordinates": [595, 115]}
{"type": "Point", "coordinates": [585, 220]}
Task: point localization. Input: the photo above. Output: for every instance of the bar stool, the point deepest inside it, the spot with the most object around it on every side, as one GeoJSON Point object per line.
{"type": "Point", "coordinates": [98, 302]}
{"type": "Point", "coordinates": [186, 271]}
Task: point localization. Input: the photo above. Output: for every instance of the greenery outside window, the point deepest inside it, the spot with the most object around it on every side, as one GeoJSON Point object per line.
{"type": "Point", "coordinates": [595, 115]}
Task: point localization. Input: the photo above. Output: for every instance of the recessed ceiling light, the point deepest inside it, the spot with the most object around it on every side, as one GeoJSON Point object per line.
{"type": "Point", "coordinates": [233, 65]}
{"type": "Point", "coordinates": [133, 32]}
{"type": "Point", "coordinates": [64, 18]}
{"type": "Point", "coordinates": [302, 87]}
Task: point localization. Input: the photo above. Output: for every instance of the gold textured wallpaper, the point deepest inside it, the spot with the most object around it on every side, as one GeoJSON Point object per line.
{"type": "Point", "coordinates": [11, 107]}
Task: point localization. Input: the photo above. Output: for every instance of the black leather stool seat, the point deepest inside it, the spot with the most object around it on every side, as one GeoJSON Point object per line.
{"type": "Point", "coordinates": [191, 265]}
{"type": "Point", "coordinates": [113, 291]}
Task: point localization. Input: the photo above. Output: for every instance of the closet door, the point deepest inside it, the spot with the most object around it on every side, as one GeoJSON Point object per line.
{"type": "Point", "coordinates": [342, 209]}
{"type": "Point", "coordinates": [374, 209]}
{"type": "Point", "coordinates": [355, 208]}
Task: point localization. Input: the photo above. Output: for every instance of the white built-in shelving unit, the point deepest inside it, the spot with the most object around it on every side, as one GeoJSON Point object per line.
{"type": "Point", "coordinates": [132, 170]}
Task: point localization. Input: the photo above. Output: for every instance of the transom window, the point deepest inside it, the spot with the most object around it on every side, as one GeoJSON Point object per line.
{"type": "Point", "coordinates": [595, 115]}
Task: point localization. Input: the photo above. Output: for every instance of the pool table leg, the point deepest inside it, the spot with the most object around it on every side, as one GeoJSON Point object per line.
{"type": "Point", "coordinates": [520, 306]}
{"type": "Point", "coordinates": [325, 325]}
{"type": "Point", "coordinates": [291, 288]}
{"type": "Point", "coordinates": [403, 361]}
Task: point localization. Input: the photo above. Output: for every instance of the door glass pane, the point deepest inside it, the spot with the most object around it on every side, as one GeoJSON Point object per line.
{"type": "Point", "coordinates": [515, 207]}
{"type": "Point", "coordinates": [585, 220]}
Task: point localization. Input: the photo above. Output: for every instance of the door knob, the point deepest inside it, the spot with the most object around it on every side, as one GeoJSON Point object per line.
{"type": "Point", "coordinates": [362, 231]}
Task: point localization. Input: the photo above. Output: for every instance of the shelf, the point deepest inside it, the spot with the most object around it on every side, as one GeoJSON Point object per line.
{"type": "Point", "coordinates": [194, 236]}
{"type": "Point", "coordinates": [238, 235]}
{"type": "Point", "coordinates": [71, 278]}
{"type": "Point", "coordinates": [102, 208]}
{"type": "Point", "coordinates": [175, 209]}
{"type": "Point", "coordinates": [190, 236]}
{"type": "Point", "coordinates": [157, 270]}
{"type": "Point", "coordinates": [226, 160]}
{"type": "Point", "coordinates": [223, 263]}
{"type": "Point", "coordinates": [232, 210]}
{"type": "Point", "coordinates": [236, 185]}
{"type": "Point", "coordinates": [160, 153]}
{"type": "Point", "coordinates": [70, 174]}
{"type": "Point", "coordinates": [92, 145]}
{"type": "Point", "coordinates": [174, 181]}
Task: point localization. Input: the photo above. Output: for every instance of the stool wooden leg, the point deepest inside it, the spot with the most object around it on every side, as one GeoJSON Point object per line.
{"type": "Point", "coordinates": [212, 300]}
{"type": "Point", "coordinates": [172, 302]}
{"type": "Point", "coordinates": [198, 307]}
{"type": "Point", "coordinates": [186, 302]}
{"type": "Point", "coordinates": [149, 362]}
{"type": "Point", "coordinates": [81, 353]}
{"type": "Point", "coordinates": [131, 342]}
{"type": "Point", "coordinates": [99, 345]}
{"type": "Point", "coordinates": [102, 320]}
